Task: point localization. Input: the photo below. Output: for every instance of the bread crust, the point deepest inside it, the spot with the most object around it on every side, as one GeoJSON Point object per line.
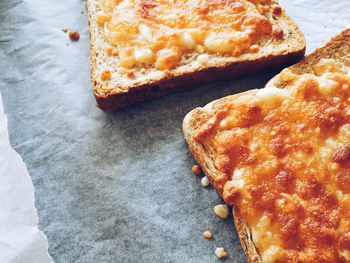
{"type": "Point", "coordinates": [112, 98]}
{"type": "Point", "coordinates": [337, 48]}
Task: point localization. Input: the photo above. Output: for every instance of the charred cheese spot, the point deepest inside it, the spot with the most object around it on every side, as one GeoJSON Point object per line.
{"type": "Point", "coordinates": [228, 28]}
{"type": "Point", "coordinates": [283, 156]}
{"type": "Point", "coordinates": [342, 155]}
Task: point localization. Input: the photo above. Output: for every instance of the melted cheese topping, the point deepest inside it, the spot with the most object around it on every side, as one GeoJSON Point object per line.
{"type": "Point", "coordinates": [284, 160]}
{"type": "Point", "coordinates": [160, 32]}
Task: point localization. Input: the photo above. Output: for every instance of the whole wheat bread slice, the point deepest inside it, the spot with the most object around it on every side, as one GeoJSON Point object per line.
{"type": "Point", "coordinates": [337, 48]}
{"type": "Point", "coordinates": [121, 91]}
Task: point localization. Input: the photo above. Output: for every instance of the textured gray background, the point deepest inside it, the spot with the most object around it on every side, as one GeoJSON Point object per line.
{"type": "Point", "coordinates": [115, 187]}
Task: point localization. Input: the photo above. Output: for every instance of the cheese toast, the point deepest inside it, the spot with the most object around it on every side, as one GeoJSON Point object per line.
{"type": "Point", "coordinates": [281, 157]}
{"type": "Point", "coordinates": [142, 49]}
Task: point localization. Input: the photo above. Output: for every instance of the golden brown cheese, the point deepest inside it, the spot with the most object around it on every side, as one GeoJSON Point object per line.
{"type": "Point", "coordinates": [283, 155]}
{"type": "Point", "coordinates": [160, 32]}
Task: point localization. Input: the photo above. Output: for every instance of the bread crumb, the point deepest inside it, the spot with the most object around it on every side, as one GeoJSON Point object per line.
{"type": "Point", "coordinates": [221, 211]}
{"type": "Point", "coordinates": [74, 35]}
{"type": "Point", "coordinates": [207, 234]}
{"type": "Point", "coordinates": [277, 10]}
{"type": "Point", "coordinates": [106, 75]}
{"type": "Point", "coordinates": [205, 181]}
{"type": "Point", "coordinates": [196, 169]}
{"type": "Point", "coordinates": [143, 71]}
{"type": "Point", "coordinates": [220, 252]}
{"type": "Point", "coordinates": [65, 30]}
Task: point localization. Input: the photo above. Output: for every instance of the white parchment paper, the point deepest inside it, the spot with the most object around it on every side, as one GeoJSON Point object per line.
{"type": "Point", "coordinates": [20, 238]}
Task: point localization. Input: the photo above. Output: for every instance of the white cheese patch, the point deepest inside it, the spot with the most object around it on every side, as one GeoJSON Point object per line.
{"type": "Point", "coordinates": [270, 94]}
{"type": "Point", "coordinates": [326, 86]}
{"type": "Point", "coordinates": [238, 178]}
{"type": "Point", "coordinates": [145, 32]}
{"type": "Point", "coordinates": [271, 254]}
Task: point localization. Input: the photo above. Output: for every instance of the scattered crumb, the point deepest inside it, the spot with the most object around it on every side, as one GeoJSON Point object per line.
{"type": "Point", "coordinates": [196, 169]}
{"type": "Point", "coordinates": [221, 211]}
{"type": "Point", "coordinates": [220, 252]}
{"type": "Point", "coordinates": [205, 181]}
{"type": "Point", "coordinates": [277, 10]}
{"type": "Point", "coordinates": [106, 75]}
{"type": "Point", "coordinates": [67, 44]}
{"type": "Point", "coordinates": [143, 71]}
{"type": "Point", "coordinates": [207, 234]}
{"type": "Point", "coordinates": [74, 35]}
{"type": "Point", "coordinates": [65, 30]}
{"type": "Point", "coordinates": [82, 12]}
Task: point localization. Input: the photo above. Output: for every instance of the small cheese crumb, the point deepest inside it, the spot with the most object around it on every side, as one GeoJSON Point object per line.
{"type": "Point", "coordinates": [65, 30]}
{"type": "Point", "coordinates": [106, 75]}
{"type": "Point", "coordinates": [220, 252]}
{"type": "Point", "coordinates": [196, 169]}
{"type": "Point", "coordinates": [207, 234]}
{"type": "Point", "coordinates": [203, 59]}
{"type": "Point", "coordinates": [205, 181]}
{"type": "Point", "coordinates": [74, 35]}
{"type": "Point", "coordinates": [221, 211]}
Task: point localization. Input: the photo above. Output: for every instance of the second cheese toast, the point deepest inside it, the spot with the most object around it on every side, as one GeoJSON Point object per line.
{"type": "Point", "coordinates": [281, 157]}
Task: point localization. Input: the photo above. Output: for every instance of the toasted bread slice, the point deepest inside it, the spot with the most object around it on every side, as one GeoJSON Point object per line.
{"type": "Point", "coordinates": [281, 157]}
{"type": "Point", "coordinates": [145, 49]}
